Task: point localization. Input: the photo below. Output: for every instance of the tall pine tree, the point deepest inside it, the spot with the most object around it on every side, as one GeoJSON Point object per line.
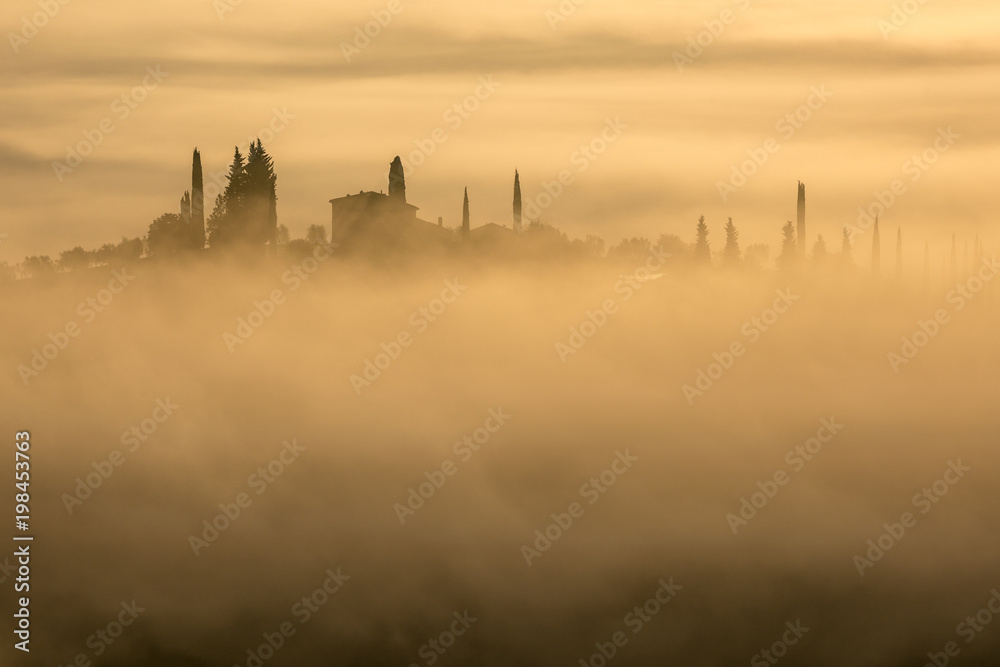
{"type": "Point", "coordinates": [246, 213]}
{"type": "Point", "coordinates": [732, 250]}
{"type": "Point", "coordinates": [702, 251]}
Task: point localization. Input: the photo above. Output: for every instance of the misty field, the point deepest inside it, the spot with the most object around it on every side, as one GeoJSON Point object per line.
{"type": "Point", "coordinates": [456, 463]}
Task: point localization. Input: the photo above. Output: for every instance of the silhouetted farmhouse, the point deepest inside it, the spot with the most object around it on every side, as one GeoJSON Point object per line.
{"type": "Point", "coordinates": [379, 220]}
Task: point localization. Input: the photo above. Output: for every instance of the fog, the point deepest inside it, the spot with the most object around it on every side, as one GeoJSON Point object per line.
{"type": "Point", "coordinates": [355, 449]}
{"type": "Point", "coordinates": [227, 72]}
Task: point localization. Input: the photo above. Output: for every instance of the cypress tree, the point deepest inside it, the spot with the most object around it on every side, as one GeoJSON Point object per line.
{"type": "Point", "coordinates": [800, 229]}
{"type": "Point", "coordinates": [465, 216]}
{"type": "Point", "coordinates": [517, 202]}
{"type": "Point", "coordinates": [702, 251]}
{"type": "Point", "coordinates": [197, 203]}
{"type": "Point", "coordinates": [397, 180]}
{"type": "Point", "coordinates": [186, 210]}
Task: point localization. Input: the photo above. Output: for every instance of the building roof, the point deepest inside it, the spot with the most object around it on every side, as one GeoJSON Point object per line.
{"type": "Point", "coordinates": [371, 197]}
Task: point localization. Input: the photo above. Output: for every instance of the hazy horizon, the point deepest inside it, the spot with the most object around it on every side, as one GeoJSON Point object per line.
{"type": "Point", "coordinates": [226, 76]}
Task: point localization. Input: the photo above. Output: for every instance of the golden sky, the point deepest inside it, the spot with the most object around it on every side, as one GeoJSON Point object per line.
{"type": "Point", "coordinates": [227, 66]}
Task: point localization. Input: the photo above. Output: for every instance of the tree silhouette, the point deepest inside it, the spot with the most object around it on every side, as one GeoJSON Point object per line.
{"type": "Point", "coordinates": [631, 252]}
{"type": "Point", "coordinates": [845, 247]}
{"type": "Point", "coordinates": [316, 234]}
{"type": "Point", "coordinates": [517, 202]}
{"type": "Point", "coordinates": [732, 250]}
{"type": "Point", "coordinates": [74, 260]}
{"type": "Point", "coordinates": [166, 235]}
{"type": "Point", "coordinates": [197, 203]}
{"type": "Point", "coordinates": [228, 205]}
{"type": "Point", "coordinates": [820, 253]}
{"type": "Point", "coordinates": [800, 229]}
{"type": "Point", "coordinates": [37, 265]}
{"type": "Point", "coordinates": [245, 213]}
{"type": "Point", "coordinates": [595, 246]}
{"type": "Point", "coordinates": [702, 251]}
{"type": "Point", "coordinates": [672, 245]}
{"type": "Point", "coordinates": [465, 217]}
{"type": "Point", "coordinates": [788, 250]}
{"type": "Point", "coordinates": [126, 252]}
{"type": "Point", "coordinates": [397, 180]}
